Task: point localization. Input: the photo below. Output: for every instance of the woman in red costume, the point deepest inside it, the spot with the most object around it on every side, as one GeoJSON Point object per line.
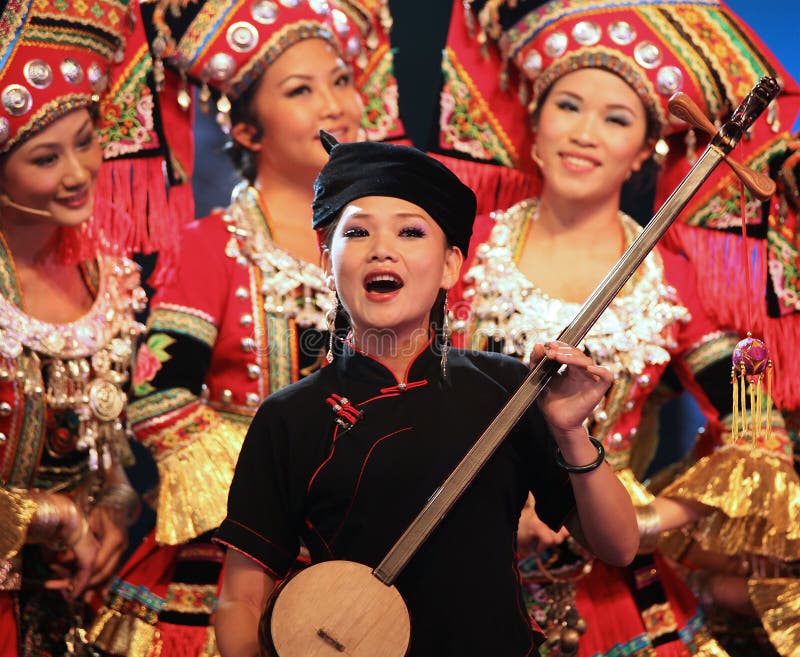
{"type": "Point", "coordinates": [67, 325]}
{"type": "Point", "coordinates": [245, 312]}
{"type": "Point", "coordinates": [598, 77]}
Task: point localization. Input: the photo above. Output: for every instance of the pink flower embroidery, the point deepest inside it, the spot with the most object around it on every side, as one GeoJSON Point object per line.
{"type": "Point", "coordinates": [147, 366]}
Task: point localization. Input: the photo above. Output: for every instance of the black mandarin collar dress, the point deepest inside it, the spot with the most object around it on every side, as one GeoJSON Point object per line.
{"type": "Point", "coordinates": [345, 459]}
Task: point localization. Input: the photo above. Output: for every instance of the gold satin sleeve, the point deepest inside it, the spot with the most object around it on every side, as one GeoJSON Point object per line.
{"type": "Point", "coordinates": [16, 512]}
{"type": "Point", "coordinates": [755, 500]}
{"type": "Point", "coordinates": [777, 602]}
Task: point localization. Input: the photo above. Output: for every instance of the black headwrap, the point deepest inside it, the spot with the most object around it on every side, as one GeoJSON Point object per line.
{"type": "Point", "coordinates": [360, 169]}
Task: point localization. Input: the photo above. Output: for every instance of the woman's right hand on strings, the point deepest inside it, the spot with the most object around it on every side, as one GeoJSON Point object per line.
{"type": "Point", "coordinates": [572, 394]}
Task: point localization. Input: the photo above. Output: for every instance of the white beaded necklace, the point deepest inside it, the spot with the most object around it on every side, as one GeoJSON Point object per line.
{"type": "Point", "coordinates": [631, 334]}
{"type": "Point", "coordinates": [282, 273]}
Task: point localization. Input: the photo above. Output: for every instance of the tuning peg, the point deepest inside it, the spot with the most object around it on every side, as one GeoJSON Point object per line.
{"type": "Point", "coordinates": [684, 108]}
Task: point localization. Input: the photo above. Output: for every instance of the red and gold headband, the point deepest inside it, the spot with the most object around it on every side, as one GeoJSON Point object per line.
{"type": "Point", "coordinates": [657, 46]}
{"type": "Point", "coordinates": [230, 44]}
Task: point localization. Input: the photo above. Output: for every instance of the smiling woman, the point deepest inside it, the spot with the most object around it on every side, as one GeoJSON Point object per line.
{"type": "Point", "coordinates": [596, 78]}
{"type": "Point", "coordinates": [65, 502]}
{"type": "Point", "coordinates": [48, 182]}
{"type": "Point", "coordinates": [53, 174]}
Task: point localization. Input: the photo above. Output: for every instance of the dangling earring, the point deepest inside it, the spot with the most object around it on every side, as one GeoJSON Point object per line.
{"type": "Point", "coordinates": [330, 325]}
{"type": "Point", "coordinates": [661, 150]}
{"type": "Point", "coordinates": [445, 336]}
{"type": "Point", "coordinates": [535, 157]}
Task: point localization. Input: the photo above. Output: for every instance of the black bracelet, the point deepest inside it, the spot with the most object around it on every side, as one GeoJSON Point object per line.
{"type": "Point", "coordinates": [582, 469]}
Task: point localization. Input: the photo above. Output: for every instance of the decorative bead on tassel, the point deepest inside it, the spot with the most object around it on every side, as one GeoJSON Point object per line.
{"type": "Point", "coordinates": [503, 75]}
{"type": "Point", "coordinates": [482, 41]}
{"type": "Point", "coordinates": [184, 95]}
{"type": "Point", "coordinates": [205, 98]}
{"type": "Point", "coordinates": [523, 92]}
{"type": "Point", "coordinates": [751, 366]}
{"type": "Point", "coordinates": [224, 113]}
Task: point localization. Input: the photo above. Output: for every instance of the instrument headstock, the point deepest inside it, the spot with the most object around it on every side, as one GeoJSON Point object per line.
{"type": "Point", "coordinates": [684, 108]}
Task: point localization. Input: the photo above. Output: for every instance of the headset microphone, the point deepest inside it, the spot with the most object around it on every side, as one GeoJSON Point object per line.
{"type": "Point", "coordinates": [5, 200]}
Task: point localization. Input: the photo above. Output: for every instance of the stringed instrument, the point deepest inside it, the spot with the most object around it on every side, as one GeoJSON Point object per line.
{"type": "Point", "coordinates": [345, 608]}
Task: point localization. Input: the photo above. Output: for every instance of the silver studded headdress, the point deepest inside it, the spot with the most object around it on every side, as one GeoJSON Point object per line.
{"type": "Point", "coordinates": [54, 57]}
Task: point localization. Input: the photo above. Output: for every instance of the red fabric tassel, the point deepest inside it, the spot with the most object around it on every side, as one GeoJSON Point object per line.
{"type": "Point", "coordinates": [181, 211]}
{"type": "Point", "coordinates": [718, 258]}
{"type": "Point", "coordinates": [604, 599]}
{"type": "Point", "coordinates": [133, 214]}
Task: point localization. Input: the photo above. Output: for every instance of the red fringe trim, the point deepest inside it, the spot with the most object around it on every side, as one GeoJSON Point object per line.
{"type": "Point", "coordinates": [133, 213]}
{"type": "Point", "coordinates": [181, 209]}
{"type": "Point", "coordinates": [496, 187]}
{"type": "Point", "coordinates": [182, 640]}
{"type": "Point", "coordinates": [718, 258]}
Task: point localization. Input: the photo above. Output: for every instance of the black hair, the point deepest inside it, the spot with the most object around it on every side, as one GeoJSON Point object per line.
{"type": "Point", "coordinates": [638, 192]}
{"type": "Point", "coordinates": [326, 233]}
{"type": "Point", "coordinates": [243, 111]}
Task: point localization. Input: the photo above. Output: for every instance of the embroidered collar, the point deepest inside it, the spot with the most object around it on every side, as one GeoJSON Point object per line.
{"type": "Point", "coordinates": [291, 287]}
{"type": "Point", "coordinates": [82, 366]}
{"type": "Point", "coordinates": [632, 333]}
{"type": "Point", "coordinates": [107, 323]}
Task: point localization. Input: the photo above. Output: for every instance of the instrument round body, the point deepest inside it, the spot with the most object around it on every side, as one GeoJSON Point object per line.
{"type": "Point", "coordinates": [334, 609]}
